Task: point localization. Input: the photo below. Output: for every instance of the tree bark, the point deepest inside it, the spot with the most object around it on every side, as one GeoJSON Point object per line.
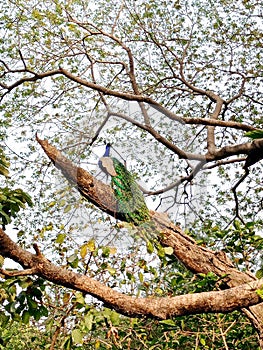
{"type": "Point", "coordinates": [196, 258]}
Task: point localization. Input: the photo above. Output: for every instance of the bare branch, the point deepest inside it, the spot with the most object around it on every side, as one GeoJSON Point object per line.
{"type": "Point", "coordinates": [126, 96]}
{"type": "Point", "coordinates": [221, 123]}
{"type": "Point", "coordinates": [159, 138]}
{"type": "Point", "coordinates": [22, 59]}
{"type": "Point", "coordinates": [211, 129]}
{"type": "Point", "coordinates": [15, 273]}
{"type": "Point", "coordinates": [241, 89]}
{"type": "Point", "coordinates": [237, 214]}
{"type": "Point", "coordinates": [188, 178]}
{"type": "Point", "coordinates": [224, 162]}
{"type": "Point", "coordinates": [33, 78]}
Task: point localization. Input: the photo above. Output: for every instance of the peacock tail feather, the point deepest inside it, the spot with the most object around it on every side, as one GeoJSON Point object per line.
{"type": "Point", "coordinates": [130, 199]}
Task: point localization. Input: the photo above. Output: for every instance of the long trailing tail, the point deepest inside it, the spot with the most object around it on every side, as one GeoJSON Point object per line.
{"type": "Point", "coordinates": [128, 194]}
{"type": "Point", "coordinates": [131, 203]}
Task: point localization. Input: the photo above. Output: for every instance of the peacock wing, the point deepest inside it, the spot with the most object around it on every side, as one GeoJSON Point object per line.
{"type": "Point", "coordinates": [108, 165]}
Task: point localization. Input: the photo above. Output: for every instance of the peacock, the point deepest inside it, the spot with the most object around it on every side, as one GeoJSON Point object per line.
{"type": "Point", "coordinates": [131, 203]}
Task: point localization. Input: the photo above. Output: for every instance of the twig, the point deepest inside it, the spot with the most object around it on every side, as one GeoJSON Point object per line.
{"type": "Point", "coordinates": [224, 162]}
{"type": "Point", "coordinates": [188, 178]}
{"type": "Point", "coordinates": [233, 189]}
{"type": "Point", "coordinates": [15, 273]}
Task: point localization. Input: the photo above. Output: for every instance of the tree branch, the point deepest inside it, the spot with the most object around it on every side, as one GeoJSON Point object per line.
{"type": "Point", "coordinates": [221, 123]}
{"type": "Point", "coordinates": [162, 308]}
{"type": "Point", "coordinates": [196, 258]}
{"type": "Point", "coordinates": [14, 273]}
{"type": "Point", "coordinates": [124, 95]}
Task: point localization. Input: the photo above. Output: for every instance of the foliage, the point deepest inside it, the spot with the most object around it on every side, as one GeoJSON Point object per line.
{"type": "Point", "coordinates": [178, 54]}
{"type": "Point", "coordinates": [16, 335]}
{"type": "Point", "coordinates": [4, 164]}
{"type": "Point", "coordinates": [256, 134]}
{"type": "Point", "coordinates": [11, 201]}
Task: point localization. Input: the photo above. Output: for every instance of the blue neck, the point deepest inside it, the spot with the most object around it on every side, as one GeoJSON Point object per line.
{"type": "Point", "coordinates": [107, 151]}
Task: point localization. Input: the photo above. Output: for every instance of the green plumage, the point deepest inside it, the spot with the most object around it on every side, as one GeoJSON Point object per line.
{"type": "Point", "coordinates": [130, 199]}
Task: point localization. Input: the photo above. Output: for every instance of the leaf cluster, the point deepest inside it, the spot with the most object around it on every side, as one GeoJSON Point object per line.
{"type": "Point", "coordinates": [22, 298]}
{"type": "Point", "coordinates": [11, 201]}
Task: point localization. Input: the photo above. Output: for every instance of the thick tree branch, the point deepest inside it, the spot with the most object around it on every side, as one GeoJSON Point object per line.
{"type": "Point", "coordinates": [211, 147]}
{"type": "Point", "coordinates": [196, 258]}
{"type": "Point", "coordinates": [243, 148]}
{"type": "Point", "coordinates": [162, 308]}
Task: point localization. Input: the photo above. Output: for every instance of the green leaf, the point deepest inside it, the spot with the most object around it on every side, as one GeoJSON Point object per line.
{"type": "Point", "coordinates": [259, 273]}
{"type": "Point", "coordinates": [149, 247]}
{"type": "Point", "coordinates": [32, 304]}
{"type": "Point", "coordinates": [97, 344]}
{"type": "Point", "coordinates": [73, 260]}
{"type": "Point", "coordinates": [67, 208]}
{"type": "Point", "coordinates": [36, 314]}
{"type": "Point", "coordinates": [141, 277]}
{"type": "Point", "coordinates": [115, 318]}
{"type": "Point", "coordinates": [260, 292]}
{"type": "Point", "coordinates": [161, 252]}
{"type": "Point", "coordinates": [77, 336]}
{"type": "Point", "coordinates": [111, 270]}
{"type": "Point", "coordinates": [4, 171]}
{"type": "Point", "coordinates": [66, 298]}
{"type": "Point", "coordinates": [11, 201]}
{"type": "Point", "coordinates": [202, 341]}
{"type": "Point", "coordinates": [237, 225]}
{"type": "Point", "coordinates": [91, 245]}
{"type": "Point", "coordinates": [168, 323]}
{"type": "Point", "coordinates": [83, 250]}
{"type": "Point", "coordinates": [60, 238]}
{"type": "Point", "coordinates": [72, 257]}
{"type": "Point", "coordinates": [43, 311]}
{"type": "Point", "coordinates": [4, 164]}
{"type": "Point", "coordinates": [168, 250]}
{"type": "Point", "coordinates": [79, 298]}
{"type": "Point", "coordinates": [88, 320]}
{"type": "Point", "coordinates": [68, 343]}
{"type": "Point", "coordinates": [26, 316]}
{"type": "Point", "coordinates": [105, 252]}
{"type": "Point", "coordinates": [255, 134]}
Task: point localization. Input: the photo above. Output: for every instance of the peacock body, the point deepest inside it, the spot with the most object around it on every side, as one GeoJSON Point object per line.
{"type": "Point", "coordinates": [131, 203]}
